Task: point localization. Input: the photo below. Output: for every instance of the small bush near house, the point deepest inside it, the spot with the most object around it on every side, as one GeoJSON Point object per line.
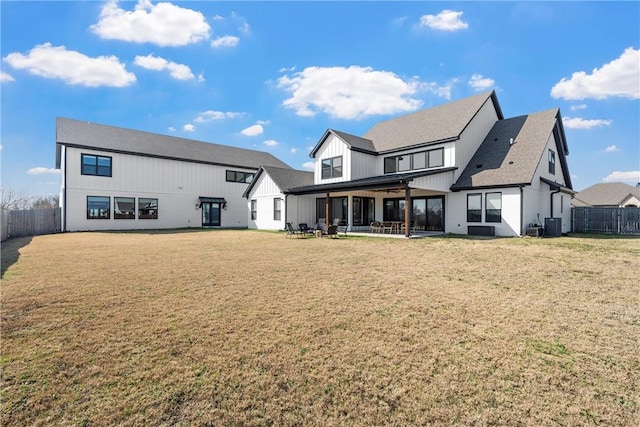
{"type": "Point", "coordinates": [250, 328]}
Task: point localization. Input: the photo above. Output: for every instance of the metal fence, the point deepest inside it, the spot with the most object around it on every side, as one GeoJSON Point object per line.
{"type": "Point", "coordinates": [606, 220]}
{"type": "Point", "coordinates": [29, 222]}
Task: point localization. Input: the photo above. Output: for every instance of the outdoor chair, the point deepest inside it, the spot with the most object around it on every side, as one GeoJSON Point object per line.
{"type": "Point", "coordinates": [375, 227]}
{"type": "Point", "coordinates": [332, 231]}
{"type": "Point", "coordinates": [305, 229]}
{"type": "Point", "coordinates": [291, 232]}
{"type": "Point", "coordinates": [386, 225]}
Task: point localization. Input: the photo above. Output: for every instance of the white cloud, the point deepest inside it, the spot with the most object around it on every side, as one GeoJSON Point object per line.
{"type": "Point", "coordinates": [348, 93]}
{"type": "Point", "coordinates": [241, 23]}
{"type": "Point", "coordinates": [6, 77]}
{"type": "Point", "coordinates": [480, 83]}
{"type": "Point", "coordinates": [201, 77]}
{"type": "Point", "coordinates": [579, 123]}
{"type": "Point", "coordinates": [177, 71]}
{"type": "Point", "coordinates": [253, 130]}
{"type": "Point", "coordinates": [632, 177]}
{"type": "Point", "coordinates": [611, 149]}
{"type": "Point", "coordinates": [41, 170]}
{"type": "Point", "coordinates": [293, 150]}
{"type": "Point", "coordinates": [617, 78]}
{"type": "Point", "coordinates": [287, 70]}
{"type": "Point", "coordinates": [208, 116]}
{"type": "Point", "coordinates": [309, 166]}
{"type": "Point", "coordinates": [163, 24]}
{"type": "Point", "coordinates": [578, 107]}
{"type": "Point", "coordinates": [447, 20]}
{"type": "Point", "coordinates": [172, 129]}
{"type": "Point", "coordinates": [189, 127]}
{"type": "Point", "coordinates": [270, 143]}
{"type": "Point", "coordinates": [72, 67]}
{"type": "Point", "coordinates": [225, 41]}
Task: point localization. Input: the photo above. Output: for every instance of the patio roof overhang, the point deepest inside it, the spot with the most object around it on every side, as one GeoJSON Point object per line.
{"type": "Point", "coordinates": [381, 182]}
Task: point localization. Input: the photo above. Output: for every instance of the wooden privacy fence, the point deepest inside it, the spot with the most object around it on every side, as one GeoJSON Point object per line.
{"type": "Point", "coordinates": [606, 220]}
{"type": "Point", "coordinates": [30, 222]}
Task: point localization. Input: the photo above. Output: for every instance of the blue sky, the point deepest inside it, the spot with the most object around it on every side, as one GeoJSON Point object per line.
{"type": "Point", "coordinates": [274, 76]}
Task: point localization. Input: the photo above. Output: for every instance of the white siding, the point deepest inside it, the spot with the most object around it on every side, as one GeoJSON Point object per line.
{"type": "Point", "coordinates": [333, 147]}
{"type": "Point", "coordinates": [365, 165]}
{"type": "Point", "coordinates": [473, 135]}
{"type": "Point", "coordinates": [176, 184]}
{"type": "Point", "coordinates": [456, 212]}
{"type": "Point", "coordinates": [264, 192]}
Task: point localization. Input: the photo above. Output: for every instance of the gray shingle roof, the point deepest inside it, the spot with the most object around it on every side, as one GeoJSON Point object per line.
{"type": "Point", "coordinates": [440, 123]}
{"type": "Point", "coordinates": [500, 163]}
{"type": "Point", "coordinates": [82, 134]}
{"type": "Point", "coordinates": [284, 178]}
{"type": "Point", "coordinates": [605, 194]}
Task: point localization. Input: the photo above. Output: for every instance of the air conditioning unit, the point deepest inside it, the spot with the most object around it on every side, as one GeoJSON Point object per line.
{"type": "Point", "coordinates": [553, 227]}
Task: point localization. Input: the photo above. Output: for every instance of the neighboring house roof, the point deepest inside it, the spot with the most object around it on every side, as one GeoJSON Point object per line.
{"type": "Point", "coordinates": [284, 178]}
{"type": "Point", "coordinates": [606, 194]}
{"type": "Point", "coordinates": [76, 133]}
{"type": "Point", "coordinates": [442, 123]}
{"type": "Point", "coordinates": [500, 163]}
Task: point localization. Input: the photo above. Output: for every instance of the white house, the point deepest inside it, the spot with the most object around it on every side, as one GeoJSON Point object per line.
{"type": "Point", "coordinates": [115, 178]}
{"type": "Point", "coordinates": [461, 167]}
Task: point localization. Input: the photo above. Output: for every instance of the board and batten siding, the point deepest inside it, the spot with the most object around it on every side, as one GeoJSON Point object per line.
{"type": "Point", "coordinates": [264, 192]}
{"type": "Point", "coordinates": [365, 165]}
{"type": "Point", "coordinates": [176, 184]}
{"type": "Point", "coordinates": [456, 221]}
{"type": "Point", "coordinates": [473, 136]}
{"type": "Point", "coordinates": [333, 146]}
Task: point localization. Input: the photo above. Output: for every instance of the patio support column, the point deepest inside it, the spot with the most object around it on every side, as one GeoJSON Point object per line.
{"type": "Point", "coordinates": [326, 207]}
{"type": "Point", "coordinates": [407, 210]}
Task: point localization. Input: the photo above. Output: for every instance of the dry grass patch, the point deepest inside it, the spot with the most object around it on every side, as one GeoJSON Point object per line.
{"type": "Point", "coordinates": [248, 328]}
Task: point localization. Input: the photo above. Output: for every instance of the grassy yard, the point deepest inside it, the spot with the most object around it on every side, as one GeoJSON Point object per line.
{"type": "Point", "coordinates": [249, 328]}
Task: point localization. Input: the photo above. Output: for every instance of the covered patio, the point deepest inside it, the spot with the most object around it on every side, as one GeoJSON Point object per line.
{"type": "Point", "coordinates": [354, 202]}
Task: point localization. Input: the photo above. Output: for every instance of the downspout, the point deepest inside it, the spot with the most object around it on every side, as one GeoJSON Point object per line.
{"type": "Point", "coordinates": [407, 210]}
{"type": "Point", "coordinates": [551, 200]}
{"type": "Point", "coordinates": [63, 225]}
{"type": "Point", "coordinates": [521, 209]}
{"type": "Point", "coordinates": [286, 209]}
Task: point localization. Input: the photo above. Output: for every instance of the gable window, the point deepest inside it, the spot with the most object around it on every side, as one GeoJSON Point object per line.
{"type": "Point", "coordinates": [332, 168]}
{"type": "Point", "coordinates": [96, 165]}
{"type": "Point", "coordinates": [124, 208]}
{"type": "Point", "coordinates": [474, 207]}
{"type": "Point", "coordinates": [238, 176]}
{"type": "Point", "coordinates": [254, 209]}
{"type": "Point", "coordinates": [493, 206]}
{"type": "Point", "coordinates": [98, 207]}
{"type": "Point", "coordinates": [147, 208]}
{"type": "Point", "coordinates": [277, 209]}
{"type": "Point", "coordinates": [552, 162]}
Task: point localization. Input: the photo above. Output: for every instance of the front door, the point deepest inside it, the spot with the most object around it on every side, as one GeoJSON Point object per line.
{"type": "Point", "coordinates": [210, 214]}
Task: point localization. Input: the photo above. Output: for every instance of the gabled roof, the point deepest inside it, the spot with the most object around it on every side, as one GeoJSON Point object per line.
{"type": "Point", "coordinates": [500, 163]}
{"type": "Point", "coordinates": [76, 133]}
{"type": "Point", "coordinates": [606, 194]}
{"type": "Point", "coordinates": [284, 178]}
{"type": "Point", "coordinates": [442, 123]}
{"type": "Point", "coordinates": [354, 142]}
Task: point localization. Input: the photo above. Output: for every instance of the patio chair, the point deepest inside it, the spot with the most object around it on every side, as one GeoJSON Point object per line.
{"type": "Point", "coordinates": [291, 232]}
{"type": "Point", "coordinates": [375, 227]}
{"type": "Point", "coordinates": [305, 229]}
{"type": "Point", "coordinates": [332, 231]}
{"type": "Point", "coordinates": [386, 225]}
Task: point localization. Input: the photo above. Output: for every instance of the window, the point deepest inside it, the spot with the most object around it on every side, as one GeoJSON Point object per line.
{"type": "Point", "coordinates": [277, 209]}
{"type": "Point", "coordinates": [474, 207]}
{"type": "Point", "coordinates": [363, 210]}
{"type": "Point", "coordinates": [415, 161]}
{"type": "Point", "coordinates": [147, 208]}
{"type": "Point", "coordinates": [124, 208]}
{"type": "Point", "coordinates": [254, 209]}
{"type": "Point", "coordinates": [436, 158]}
{"type": "Point", "coordinates": [98, 207]}
{"type": "Point", "coordinates": [393, 210]}
{"type": "Point", "coordinates": [238, 176]}
{"type": "Point", "coordinates": [96, 165]}
{"type": "Point", "coordinates": [552, 162]}
{"type": "Point", "coordinates": [332, 168]}
{"type": "Point", "coordinates": [493, 206]}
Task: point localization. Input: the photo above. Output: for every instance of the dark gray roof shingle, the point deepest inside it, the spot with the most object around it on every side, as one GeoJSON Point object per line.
{"type": "Point", "coordinates": [284, 178]}
{"type": "Point", "coordinates": [114, 139]}
{"type": "Point", "coordinates": [500, 163]}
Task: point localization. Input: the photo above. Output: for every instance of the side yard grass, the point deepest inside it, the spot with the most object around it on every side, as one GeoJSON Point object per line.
{"type": "Point", "coordinates": [242, 327]}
